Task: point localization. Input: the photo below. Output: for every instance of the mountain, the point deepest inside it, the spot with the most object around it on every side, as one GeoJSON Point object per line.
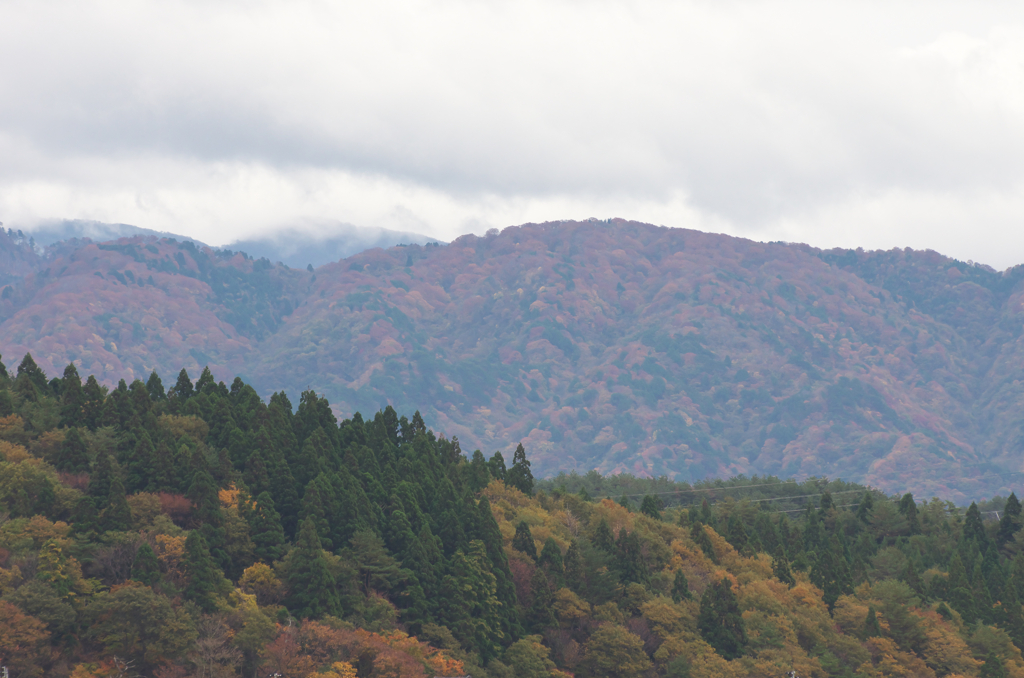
{"type": "Point", "coordinates": [608, 345]}
{"type": "Point", "coordinates": [307, 244]}
{"type": "Point", "coordinates": [56, 230]}
{"type": "Point", "coordinates": [322, 243]}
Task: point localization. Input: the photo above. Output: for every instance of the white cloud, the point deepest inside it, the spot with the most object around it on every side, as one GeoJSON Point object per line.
{"type": "Point", "coordinates": [854, 123]}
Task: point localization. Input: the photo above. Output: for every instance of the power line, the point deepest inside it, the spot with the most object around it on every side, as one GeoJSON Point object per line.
{"type": "Point", "coordinates": [787, 482]}
{"type": "Point", "coordinates": [708, 489]}
{"type": "Point", "coordinates": [804, 496]}
{"type": "Point", "coordinates": [804, 509]}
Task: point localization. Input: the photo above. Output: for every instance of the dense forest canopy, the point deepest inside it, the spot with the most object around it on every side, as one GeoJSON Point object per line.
{"type": "Point", "coordinates": [198, 530]}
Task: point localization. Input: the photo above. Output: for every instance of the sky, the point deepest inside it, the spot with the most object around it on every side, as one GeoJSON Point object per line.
{"type": "Point", "coordinates": [841, 124]}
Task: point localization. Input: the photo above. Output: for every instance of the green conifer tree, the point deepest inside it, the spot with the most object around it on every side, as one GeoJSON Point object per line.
{"type": "Point", "coordinates": [265, 528]}
{"type": "Point", "coordinates": [489, 535]}
{"type": "Point", "coordinates": [652, 506]}
{"type": "Point", "coordinates": [314, 457]}
{"type": "Point", "coordinates": [73, 456]}
{"type": "Point", "coordinates": [146, 567]}
{"type": "Point", "coordinates": [92, 408]}
{"type": "Point", "coordinates": [72, 399]}
{"type": "Point", "coordinates": [205, 383]}
{"type": "Point", "coordinates": [680, 587]}
{"type": "Point", "coordinates": [867, 504]}
{"type": "Point", "coordinates": [496, 466]}
{"type": "Point", "coordinates": [1013, 613]}
{"type": "Point", "coordinates": [36, 376]}
{"type": "Point", "coordinates": [99, 480]}
{"type": "Point", "coordinates": [630, 560]}
{"type": "Point", "coordinates": [183, 388]}
{"type": "Point", "coordinates": [814, 537]}
{"type": "Point", "coordinates": [204, 495]}
{"type": "Point", "coordinates": [707, 516]}
{"type": "Point", "coordinates": [313, 590]}
{"type": "Point", "coordinates": [720, 622]}
{"type": "Point", "coordinates": [781, 569]}
{"type": "Point", "coordinates": [551, 559]}
{"type": "Point", "coordinates": [736, 532]}
{"type": "Point", "coordinates": [575, 573]}
{"type": "Point", "coordinates": [603, 538]}
{"type": "Point", "coordinates": [911, 577]}
{"type": "Point", "coordinates": [206, 583]}
{"type": "Point", "coordinates": [974, 528]}
{"type": "Point", "coordinates": [700, 538]}
{"type": "Point", "coordinates": [523, 540]}
{"type": "Point", "coordinates": [477, 473]}
{"type": "Point", "coordinates": [1009, 522]}
{"type": "Point", "coordinates": [831, 573]}
{"type": "Point", "coordinates": [520, 476]}
{"type": "Point", "coordinates": [539, 617]}
{"type": "Point", "coordinates": [155, 386]}
{"type": "Point", "coordinates": [993, 667]}
{"type": "Point", "coordinates": [872, 629]}
{"type": "Point", "coordinates": [908, 507]}
{"type": "Point", "coordinates": [116, 515]}
{"type": "Point", "coordinates": [141, 464]}
{"type": "Point", "coordinates": [317, 504]}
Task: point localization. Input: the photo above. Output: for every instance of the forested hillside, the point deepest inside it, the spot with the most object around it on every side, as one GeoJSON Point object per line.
{"type": "Point", "coordinates": [198, 531]}
{"type": "Point", "coordinates": [614, 346]}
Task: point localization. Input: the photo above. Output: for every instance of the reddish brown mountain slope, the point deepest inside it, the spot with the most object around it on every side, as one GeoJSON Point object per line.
{"type": "Point", "coordinates": [610, 345]}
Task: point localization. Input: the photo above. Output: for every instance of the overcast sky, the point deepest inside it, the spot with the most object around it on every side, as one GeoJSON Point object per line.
{"type": "Point", "coordinates": [834, 123]}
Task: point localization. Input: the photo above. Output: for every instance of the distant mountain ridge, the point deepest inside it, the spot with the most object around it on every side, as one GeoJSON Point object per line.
{"type": "Point", "coordinates": [299, 248]}
{"type": "Point", "coordinates": [602, 344]}
{"type": "Point", "coordinates": [307, 244]}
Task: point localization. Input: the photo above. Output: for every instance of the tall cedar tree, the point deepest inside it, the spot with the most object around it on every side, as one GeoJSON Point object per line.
{"type": "Point", "coordinates": [73, 456]}
{"type": "Point", "coordinates": [92, 407]}
{"type": "Point", "coordinates": [781, 569]}
{"type": "Point", "coordinates": [146, 567]}
{"type": "Point", "coordinates": [575, 573]}
{"type": "Point", "coordinates": [974, 528]}
{"type": "Point", "coordinates": [1009, 522]}
{"type": "Point", "coordinates": [831, 573]}
{"type": "Point", "coordinates": [652, 506]}
{"type": "Point", "coordinates": [206, 583]}
{"type": "Point", "coordinates": [265, 528]}
{"type": "Point", "coordinates": [99, 480]}
{"type": "Point", "coordinates": [183, 388]}
{"type": "Point", "coordinates": [72, 399]}
{"type": "Point", "coordinates": [720, 622]}
{"type": "Point", "coordinates": [314, 591]}
{"type": "Point", "coordinates": [477, 473]}
{"type": "Point", "coordinates": [489, 534]}
{"type": "Point", "coordinates": [701, 538]}
{"type": "Point", "coordinates": [520, 476]}
{"type": "Point", "coordinates": [155, 386]}
{"type": "Point", "coordinates": [603, 538]}
{"type": "Point", "coordinates": [630, 560]}
{"type": "Point", "coordinates": [551, 560]}
{"type": "Point", "coordinates": [496, 466]}
{"type": "Point", "coordinates": [680, 587]}
{"type": "Point", "coordinates": [872, 629]}
{"type": "Point", "coordinates": [116, 515]}
{"type": "Point", "coordinates": [29, 370]}
{"type": "Point", "coordinates": [908, 507]}
{"type": "Point", "coordinates": [523, 540]}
